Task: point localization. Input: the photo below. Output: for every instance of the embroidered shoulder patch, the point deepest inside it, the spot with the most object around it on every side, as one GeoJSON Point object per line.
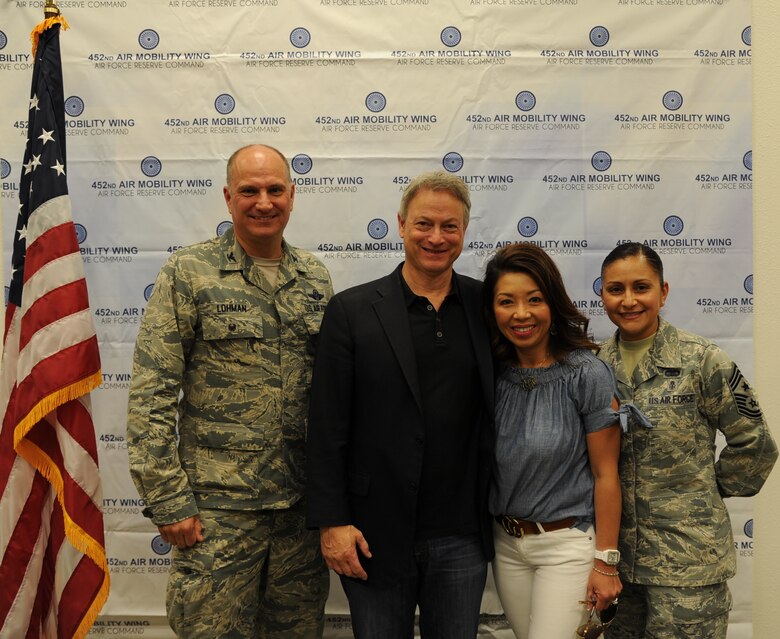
{"type": "Point", "coordinates": [747, 405]}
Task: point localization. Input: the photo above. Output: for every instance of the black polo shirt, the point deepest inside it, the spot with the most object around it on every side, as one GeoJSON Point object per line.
{"type": "Point", "coordinates": [452, 403]}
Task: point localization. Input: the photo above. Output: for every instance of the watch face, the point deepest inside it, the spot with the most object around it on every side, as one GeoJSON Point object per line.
{"type": "Point", "coordinates": [609, 557]}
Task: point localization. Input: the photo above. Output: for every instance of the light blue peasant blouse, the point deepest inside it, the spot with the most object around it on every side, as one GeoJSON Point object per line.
{"type": "Point", "coordinates": [542, 472]}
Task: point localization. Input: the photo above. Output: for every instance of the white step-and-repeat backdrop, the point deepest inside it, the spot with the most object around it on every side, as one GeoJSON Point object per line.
{"type": "Point", "coordinates": [576, 124]}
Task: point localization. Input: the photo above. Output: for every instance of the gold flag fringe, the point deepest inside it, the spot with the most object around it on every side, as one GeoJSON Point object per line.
{"type": "Point", "coordinates": [46, 24]}
{"type": "Point", "coordinates": [52, 402]}
{"type": "Point", "coordinates": [76, 535]}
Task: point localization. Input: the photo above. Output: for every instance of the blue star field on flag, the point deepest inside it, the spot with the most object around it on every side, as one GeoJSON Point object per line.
{"type": "Point", "coordinates": [43, 170]}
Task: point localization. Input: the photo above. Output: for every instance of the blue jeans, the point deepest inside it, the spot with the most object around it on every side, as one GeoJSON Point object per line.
{"type": "Point", "coordinates": [446, 578]}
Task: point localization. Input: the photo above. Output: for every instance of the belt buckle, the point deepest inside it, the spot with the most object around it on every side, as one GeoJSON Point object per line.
{"type": "Point", "coordinates": [512, 526]}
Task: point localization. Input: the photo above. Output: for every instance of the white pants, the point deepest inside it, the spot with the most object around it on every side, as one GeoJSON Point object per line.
{"type": "Point", "coordinates": [541, 579]}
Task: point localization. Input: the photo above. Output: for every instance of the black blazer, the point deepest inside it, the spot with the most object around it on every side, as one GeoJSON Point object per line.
{"type": "Point", "coordinates": [366, 430]}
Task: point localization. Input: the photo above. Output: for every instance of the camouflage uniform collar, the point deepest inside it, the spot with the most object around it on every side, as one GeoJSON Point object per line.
{"type": "Point", "coordinates": [664, 354]}
{"type": "Point", "coordinates": [234, 258]}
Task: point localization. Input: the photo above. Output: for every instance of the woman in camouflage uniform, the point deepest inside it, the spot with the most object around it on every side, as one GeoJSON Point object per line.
{"type": "Point", "coordinates": [676, 545]}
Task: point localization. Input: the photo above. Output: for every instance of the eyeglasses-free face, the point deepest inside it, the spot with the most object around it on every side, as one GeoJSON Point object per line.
{"type": "Point", "coordinates": [633, 297]}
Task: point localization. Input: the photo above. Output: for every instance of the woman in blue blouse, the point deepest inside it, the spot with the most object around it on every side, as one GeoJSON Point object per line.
{"type": "Point", "coordinates": [555, 493]}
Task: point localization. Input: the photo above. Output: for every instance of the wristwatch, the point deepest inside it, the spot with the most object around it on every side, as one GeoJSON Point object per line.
{"type": "Point", "coordinates": [609, 557]}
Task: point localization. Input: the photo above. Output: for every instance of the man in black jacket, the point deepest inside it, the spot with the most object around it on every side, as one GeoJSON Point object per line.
{"type": "Point", "coordinates": [400, 431]}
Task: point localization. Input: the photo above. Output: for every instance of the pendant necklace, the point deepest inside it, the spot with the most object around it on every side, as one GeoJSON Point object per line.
{"type": "Point", "coordinates": [528, 382]}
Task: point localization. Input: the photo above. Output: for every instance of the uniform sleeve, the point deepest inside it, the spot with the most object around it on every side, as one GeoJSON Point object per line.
{"type": "Point", "coordinates": [731, 406]}
{"type": "Point", "coordinates": [596, 388]}
{"type": "Point", "coordinates": [327, 283]}
{"type": "Point", "coordinates": [329, 286]}
{"type": "Point", "coordinates": [163, 341]}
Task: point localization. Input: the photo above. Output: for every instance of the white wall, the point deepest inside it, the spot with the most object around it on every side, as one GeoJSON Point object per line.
{"type": "Point", "coordinates": [766, 95]}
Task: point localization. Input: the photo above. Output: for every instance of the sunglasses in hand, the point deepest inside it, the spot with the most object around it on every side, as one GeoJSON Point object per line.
{"type": "Point", "coordinates": [598, 622]}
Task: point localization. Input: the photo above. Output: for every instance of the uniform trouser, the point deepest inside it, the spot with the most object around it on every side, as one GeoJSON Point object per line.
{"type": "Point", "coordinates": [663, 612]}
{"type": "Point", "coordinates": [541, 579]}
{"type": "Point", "coordinates": [256, 575]}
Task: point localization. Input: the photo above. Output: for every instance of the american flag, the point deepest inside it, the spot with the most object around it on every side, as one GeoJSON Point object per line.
{"type": "Point", "coordinates": [53, 571]}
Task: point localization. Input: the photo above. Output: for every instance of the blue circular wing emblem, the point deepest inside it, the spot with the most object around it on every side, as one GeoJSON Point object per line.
{"type": "Point", "coordinates": [450, 36]}
{"type": "Point", "coordinates": [747, 36]}
{"type": "Point", "coordinates": [597, 286]}
{"type": "Point", "coordinates": [148, 39]}
{"type": "Point", "coordinates": [748, 528]}
{"type": "Point", "coordinates": [300, 37]}
{"type": "Point", "coordinates": [3, 40]}
{"type": "Point", "coordinates": [223, 226]}
{"type": "Point", "coordinates": [453, 162]}
{"type": "Point", "coordinates": [525, 100]}
{"type": "Point", "coordinates": [224, 103]}
{"type": "Point", "coordinates": [527, 227]}
{"type": "Point", "coordinates": [74, 106]}
{"type": "Point", "coordinates": [601, 160]}
{"type": "Point", "coordinates": [375, 101]}
{"type": "Point", "coordinates": [148, 291]}
{"type": "Point", "coordinates": [377, 228]}
{"type": "Point", "coordinates": [159, 546]}
{"type": "Point", "coordinates": [672, 100]}
{"type": "Point", "coordinates": [151, 166]}
{"type": "Point", "coordinates": [301, 164]}
{"type": "Point", "coordinates": [599, 36]}
{"type": "Point", "coordinates": [747, 160]}
{"type": "Point", "coordinates": [748, 283]}
{"type": "Point", "coordinates": [5, 168]}
{"type": "Point", "coordinates": [673, 225]}
{"type": "Point", "coordinates": [81, 232]}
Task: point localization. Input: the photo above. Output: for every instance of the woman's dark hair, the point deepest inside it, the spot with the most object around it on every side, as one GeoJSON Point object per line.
{"type": "Point", "coordinates": [635, 249]}
{"type": "Point", "coordinates": [569, 327]}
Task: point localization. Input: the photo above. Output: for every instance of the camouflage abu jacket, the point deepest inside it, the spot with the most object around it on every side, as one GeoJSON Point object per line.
{"type": "Point", "coordinates": [241, 354]}
{"type": "Point", "coordinates": [675, 530]}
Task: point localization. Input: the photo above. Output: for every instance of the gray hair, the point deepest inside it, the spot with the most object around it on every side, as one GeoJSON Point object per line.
{"type": "Point", "coordinates": [437, 181]}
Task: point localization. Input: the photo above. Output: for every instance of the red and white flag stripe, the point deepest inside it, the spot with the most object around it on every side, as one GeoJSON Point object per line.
{"type": "Point", "coordinates": [51, 526]}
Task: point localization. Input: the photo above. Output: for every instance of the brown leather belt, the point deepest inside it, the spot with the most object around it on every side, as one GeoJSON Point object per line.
{"type": "Point", "coordinates": [519, 527]}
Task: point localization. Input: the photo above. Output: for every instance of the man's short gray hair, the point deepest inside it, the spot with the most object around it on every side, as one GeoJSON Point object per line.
{"type": "Point", "coordinates": [437, 181]}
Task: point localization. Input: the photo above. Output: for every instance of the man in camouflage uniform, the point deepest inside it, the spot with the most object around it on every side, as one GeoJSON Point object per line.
{"type": "Point", "coordinates": [677, 549]}
{"type": "Point", "coordinates": [231, 326]}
